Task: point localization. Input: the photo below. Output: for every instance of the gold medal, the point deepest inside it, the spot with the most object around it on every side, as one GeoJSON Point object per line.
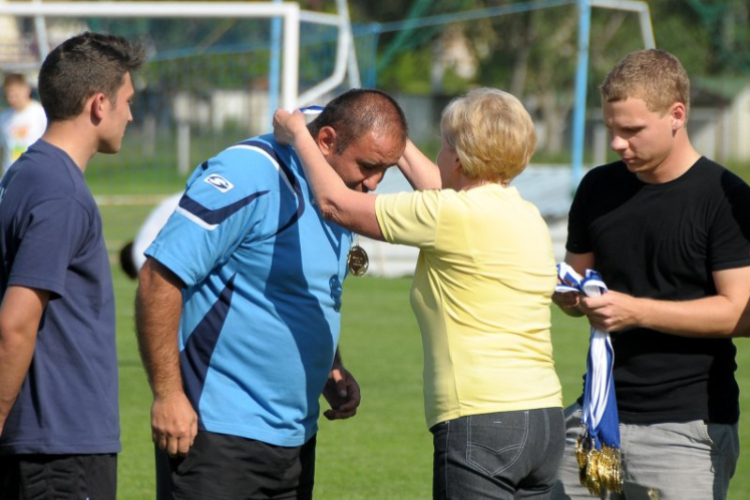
{"type": "Point", "coordinates": [357, 260]}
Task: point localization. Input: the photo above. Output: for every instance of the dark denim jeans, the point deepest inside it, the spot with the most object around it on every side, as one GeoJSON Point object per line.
{"type": "Point", "coordinates": [508, 455]}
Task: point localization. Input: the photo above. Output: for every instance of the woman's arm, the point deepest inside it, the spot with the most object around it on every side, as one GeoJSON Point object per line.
{"type": "Point", "coordinates": [348, 208]}
{"type": "Point", "coordinates": [418, 169]}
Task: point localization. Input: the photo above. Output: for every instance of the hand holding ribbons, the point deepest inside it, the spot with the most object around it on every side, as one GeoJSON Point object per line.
{"type": "Point", "coordinates": [598, 449]}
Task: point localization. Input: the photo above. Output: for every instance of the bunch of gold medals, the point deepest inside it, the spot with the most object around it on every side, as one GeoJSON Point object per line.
{"type": "Point", "coordinates": [598, 469]}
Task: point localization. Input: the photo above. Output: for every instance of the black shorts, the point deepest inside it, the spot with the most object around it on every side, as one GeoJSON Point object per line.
{"type": "Point", "coordinates": [222, 467]}
{"type": "Point", "coordinates": [58, 476]}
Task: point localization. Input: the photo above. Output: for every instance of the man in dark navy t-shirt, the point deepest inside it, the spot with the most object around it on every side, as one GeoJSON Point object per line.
{"type": "Point", "coordinates": [669, 231]}
{"type": "Point", "coordinates": [59, 422]}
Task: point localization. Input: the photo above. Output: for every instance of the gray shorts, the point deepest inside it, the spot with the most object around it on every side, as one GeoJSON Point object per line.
{"type": "Point", "coordinates": [670, 461]}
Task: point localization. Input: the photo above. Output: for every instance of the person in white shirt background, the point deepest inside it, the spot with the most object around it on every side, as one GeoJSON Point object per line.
{"type": "Point", "coordinates": [131, 254]}
{"type": "Point", "coordinates": [22, 123]}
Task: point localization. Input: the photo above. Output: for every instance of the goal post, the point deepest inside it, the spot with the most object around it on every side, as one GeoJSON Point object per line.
{"type": "Point", "coordinates": [207, 83]}
{"type": "Point", "coordinates": [579, 111]}
{"type": "Point", "coordinates": [289, 12]}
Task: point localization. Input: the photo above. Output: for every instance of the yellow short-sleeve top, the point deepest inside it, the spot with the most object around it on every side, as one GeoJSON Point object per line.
{"type": "Point", "coordinates": [481, 294]}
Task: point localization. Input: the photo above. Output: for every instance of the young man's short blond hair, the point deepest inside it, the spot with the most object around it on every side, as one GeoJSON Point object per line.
{"type": "Point", "coordinates": [491, 132]}
{"type": "Point", "coordinates": [656, 76]}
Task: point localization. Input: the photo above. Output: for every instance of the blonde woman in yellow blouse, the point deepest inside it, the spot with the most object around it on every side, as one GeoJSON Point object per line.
{"type": "Point", "coordinates": [481, 292]}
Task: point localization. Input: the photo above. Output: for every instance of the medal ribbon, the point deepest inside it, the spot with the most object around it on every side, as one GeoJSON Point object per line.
{"type": "Point", "coordinates": [313, 110]}
{"type": "Point", "coordinates": [599, 445]}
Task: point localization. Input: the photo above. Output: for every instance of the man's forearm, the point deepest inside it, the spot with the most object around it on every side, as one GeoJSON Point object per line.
{"type": "Point", "coordinates": [708, 317]}
{"type": "Point", "coordinates": [723, 315]}
{"type": "Point", "coordinates": [16, 351]}
{"type": "Point", "coordinates": [158, 311]}
{"type": "Point", "coordinates": [20, 314]}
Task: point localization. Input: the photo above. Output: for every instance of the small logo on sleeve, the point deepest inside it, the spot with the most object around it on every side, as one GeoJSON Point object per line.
{"type": "Point", "coordinates": [219, 182]}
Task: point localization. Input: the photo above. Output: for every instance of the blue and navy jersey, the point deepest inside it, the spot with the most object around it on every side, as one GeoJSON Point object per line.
{"type": "Point", "coordinates": [263, 273]}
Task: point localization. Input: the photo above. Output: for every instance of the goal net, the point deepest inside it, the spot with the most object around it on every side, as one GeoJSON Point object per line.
{"type": "Point", "coordinates": [215, 72]}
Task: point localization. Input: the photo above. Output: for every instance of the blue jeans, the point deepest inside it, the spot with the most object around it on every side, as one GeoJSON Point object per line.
{"type": "Point", "coordinates": [503, 455]}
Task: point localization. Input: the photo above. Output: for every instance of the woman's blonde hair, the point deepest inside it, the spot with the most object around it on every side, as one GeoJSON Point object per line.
{"type": "Point", "coordinates": [491, 132]}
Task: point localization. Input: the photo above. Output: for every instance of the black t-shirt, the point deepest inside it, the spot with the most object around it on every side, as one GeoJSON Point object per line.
{"type": "Point", "coordinates": [663, 241]}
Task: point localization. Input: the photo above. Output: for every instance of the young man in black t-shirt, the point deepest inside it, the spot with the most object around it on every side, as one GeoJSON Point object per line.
{"type": "Point", "coordinates": [669, 230]}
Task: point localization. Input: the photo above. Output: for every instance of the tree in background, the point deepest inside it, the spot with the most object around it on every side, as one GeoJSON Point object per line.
{"type": "Point", "coordinates": [727, 26]}
{"type": "Point", "coordinates": [533, 54]}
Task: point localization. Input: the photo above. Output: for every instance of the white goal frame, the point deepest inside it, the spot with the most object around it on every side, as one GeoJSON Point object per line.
{"type": "Point", "coordinates": [289, 12]}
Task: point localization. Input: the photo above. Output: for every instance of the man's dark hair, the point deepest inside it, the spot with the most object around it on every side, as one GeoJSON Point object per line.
{"type": "Point", "coordinates": [358, 111]}
{"type": "Point", "coordinates": [82, 66]}
{"type": "Point", "coordinates": [126, 261]}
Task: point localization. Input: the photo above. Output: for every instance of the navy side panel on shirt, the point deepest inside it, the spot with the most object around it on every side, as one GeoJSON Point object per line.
{"type": "Point", "coordinates": [51, 239]}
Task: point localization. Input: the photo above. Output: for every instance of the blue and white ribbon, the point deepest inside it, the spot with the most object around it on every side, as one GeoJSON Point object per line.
{"type": "Point", "coordinates": [313, 110]}
{"type": "Point", "coordinates": [601, 435]}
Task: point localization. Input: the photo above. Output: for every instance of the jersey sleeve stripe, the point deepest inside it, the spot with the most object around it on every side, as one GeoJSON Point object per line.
{"type": "Point", "coordinates": [286, 174]}
{"type": "Point", "coordinates": [271, 155]}
{"type": "Point", "coordinates": [210, 219]}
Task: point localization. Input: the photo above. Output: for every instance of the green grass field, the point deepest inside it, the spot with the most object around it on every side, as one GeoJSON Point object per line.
{"type": "Point", "coordinates": [385, 451]}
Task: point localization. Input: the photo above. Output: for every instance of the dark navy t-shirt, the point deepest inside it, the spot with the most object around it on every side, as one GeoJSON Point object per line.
{"type": "Point", "coordinates": [51, 239]}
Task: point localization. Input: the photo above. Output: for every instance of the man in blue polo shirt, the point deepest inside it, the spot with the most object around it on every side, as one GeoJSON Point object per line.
{"type": "Point", "coordinates": [250, 273]}
{"type": "Point", "coordinates": [59, 421]}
